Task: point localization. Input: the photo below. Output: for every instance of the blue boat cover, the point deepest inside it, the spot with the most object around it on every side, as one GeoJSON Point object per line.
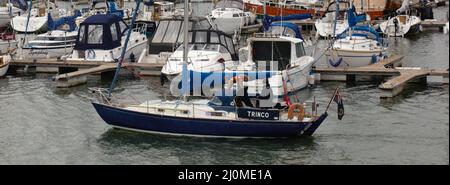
{"type": "Point", "coordinates": [269, 19]}
{"type": "Point", "coordinates": [362, 30]}
{"type": "Point", "coordinates": [289, 25]}
{"type": "Point", "coordinates": [70, 20]}
{"type": "Point", "coordinates": [353, 18]}
{"type": "Point", "coordinates": [112, 9]}
{"type": "Point", "coordinates": [149, 2]}
{"type": "Point", "coordinates": [96, 22]}
{"type": "Point", "coordinates": [20, 4]}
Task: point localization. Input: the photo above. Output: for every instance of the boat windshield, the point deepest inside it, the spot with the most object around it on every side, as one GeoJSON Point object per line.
{"type": "Point", "coordinates": [269, 55]}
{"type": "Point", "coordinates": [200, 47]}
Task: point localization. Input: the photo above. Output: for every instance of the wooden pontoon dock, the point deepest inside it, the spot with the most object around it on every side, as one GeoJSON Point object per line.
{"type": "Point", "coordinates": [398, 76]}
{"type": "Point", "coordinates": [72, 73]}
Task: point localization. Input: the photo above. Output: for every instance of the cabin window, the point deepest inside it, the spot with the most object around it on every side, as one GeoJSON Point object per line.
{"type": "Point", "coordinates": [160, 32]}
{"type": "Point", "coordinates": [276, 54]}
{"type": "Point", "coordinates": [123, 27]}
{"type": "Point", "coordinates": [211, 47]}
{"type": "Point", "coordinates": [185, 112]}
{"type": "Point", "coordinates": [214, 38]}
{"type": "Point", "coordinates": [82, 37]}
{"type": "Point", "coordinates": [95, 34]}
{"type": "Point", "coordinates": [216, 114]}
{"type": "Point", "coordinates": [172, 32]}
{"type": "Point", "coordinates": [223, 49]}
{"type": "Point", "coordinates": [230, 44]}
{"type": "Point", "coordinates": [299, 50]}
{"type": "Point", "coordinates": [114, 32]}
{"type": "Point", "coordinates": [235, 15]}
{"type": "Point", "coordinates": [160, 110]}
{"type": "Point", "coordinates": [201, 37]}
{"type": "Point", "coordinates": [181, 33]}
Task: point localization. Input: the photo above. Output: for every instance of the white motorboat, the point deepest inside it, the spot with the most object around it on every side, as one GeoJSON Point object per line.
{"type": "Point", "coordinates": [359, 46]}
{"type": "Point", "coordinates": [401, 25]}
{"type": "Point", "coordinates": [4, 64]}
{"type": "Point", "coordinates": [282, 58]}
{"type": "Point", "coordinates": [53, 44]}
{"type": "Point", "coordinates": [229, 17]}
{"type": "Point", "coordinates": [101, 38]}
{"type": "Point", "coordinates": [209, 50]}
{"type": "Point", "coordinates": [167, 38]}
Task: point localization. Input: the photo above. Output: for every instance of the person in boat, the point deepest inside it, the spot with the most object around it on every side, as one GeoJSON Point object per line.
{"type": "Point", "coordinates": [242, 98]}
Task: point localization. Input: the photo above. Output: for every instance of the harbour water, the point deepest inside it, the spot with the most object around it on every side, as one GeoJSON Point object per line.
{"type": "Point", "coordinates": [41, 124]}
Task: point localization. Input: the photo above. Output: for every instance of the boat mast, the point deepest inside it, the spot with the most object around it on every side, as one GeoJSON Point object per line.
{"type": "Point", "coordinates": [185, 48]}
{"type": "Point", "coordinates": [124, 48]}
{"type": "Point", "coordinates": [335, 18]}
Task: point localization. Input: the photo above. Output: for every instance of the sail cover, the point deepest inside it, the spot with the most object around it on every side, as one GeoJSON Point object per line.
{"type": "Point", "coordinates": [22, 4]}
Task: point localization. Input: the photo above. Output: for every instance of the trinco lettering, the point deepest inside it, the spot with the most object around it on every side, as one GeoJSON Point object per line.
{"type": "Point", "coordinates": [254, 114]}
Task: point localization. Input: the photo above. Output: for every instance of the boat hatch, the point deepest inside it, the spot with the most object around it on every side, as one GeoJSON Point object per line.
{"type": "Point", "coordinates": [100, 32]}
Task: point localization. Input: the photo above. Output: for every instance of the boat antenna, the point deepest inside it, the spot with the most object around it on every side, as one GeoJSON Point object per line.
{"type": "Point", "coordinates": [124, 48]}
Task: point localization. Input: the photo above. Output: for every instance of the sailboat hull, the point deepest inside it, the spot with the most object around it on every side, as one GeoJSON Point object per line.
{"type": "Point", "coordinates": [151, 123]}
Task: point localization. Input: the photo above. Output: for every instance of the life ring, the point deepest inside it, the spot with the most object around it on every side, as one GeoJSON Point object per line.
{"type": "Point", "coordinates": [234, 79]}
{"type": "Point", "coordinates": [301, 113]}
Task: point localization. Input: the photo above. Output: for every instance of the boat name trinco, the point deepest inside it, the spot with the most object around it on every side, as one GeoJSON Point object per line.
{"type": "Point", "coordinates": [227, 175]}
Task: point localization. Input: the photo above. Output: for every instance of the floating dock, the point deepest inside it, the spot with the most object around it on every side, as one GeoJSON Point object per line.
{"type": "Point", "coordinates": [398, 76]}
{"type": "Point", "coordinates": [73, 73]}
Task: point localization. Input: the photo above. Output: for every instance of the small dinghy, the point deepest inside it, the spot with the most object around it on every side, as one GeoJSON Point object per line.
{"type": "Point", "coordinates": [4, 64]}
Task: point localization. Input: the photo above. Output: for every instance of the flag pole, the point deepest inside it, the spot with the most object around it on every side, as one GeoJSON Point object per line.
{"type": "Point", "coordinates": [332, 97]}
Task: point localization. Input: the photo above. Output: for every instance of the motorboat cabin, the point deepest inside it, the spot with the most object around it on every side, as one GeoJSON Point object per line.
{"type": "Point", "coordinates": [101, 38]}
{"type": "Point", "coordinates": [209, 50]}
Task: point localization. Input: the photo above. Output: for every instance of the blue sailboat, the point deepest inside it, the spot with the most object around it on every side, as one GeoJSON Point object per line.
{"type": "Point", "coordinates": [222, 116]}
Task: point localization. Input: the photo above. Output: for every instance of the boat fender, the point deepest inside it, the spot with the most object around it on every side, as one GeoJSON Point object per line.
{"type": "Point", "coordinates": [335, 64]}
{"type": "Point", "coordinates": [221, 60]}
{"type": "Point", "coordinates": [90, 54]}
{"type": "Point", "coordinates": [301, 113]}
{"type": "Point", "coordinates": [373, 59]}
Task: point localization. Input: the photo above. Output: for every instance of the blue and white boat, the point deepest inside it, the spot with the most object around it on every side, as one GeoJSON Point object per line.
{"type": "Point", "coordinates": [358, 45]}
{"type": "Point", "coordinates": [101, 38]}
{"type": "Point", "coordinates": [223, 116]}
